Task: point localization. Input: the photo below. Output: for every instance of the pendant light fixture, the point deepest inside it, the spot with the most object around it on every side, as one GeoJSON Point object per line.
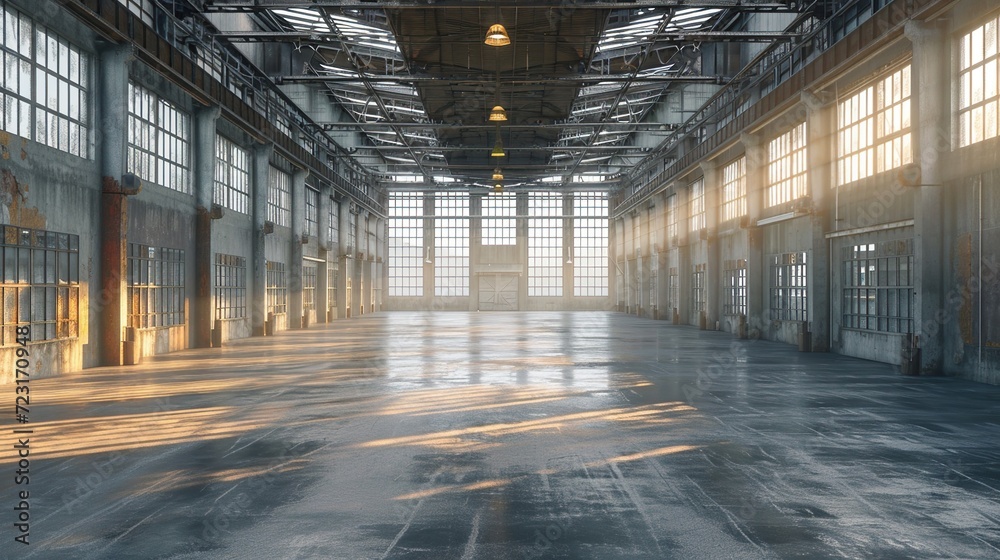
{"type": "Point", "coordinates": [498, 114]}
{"type": "Point", "coordinates": [497, 175]}
{"type": "Point", "coordinates": [498, 188]}
{"type": "Point", "coordinates": [497, 36]}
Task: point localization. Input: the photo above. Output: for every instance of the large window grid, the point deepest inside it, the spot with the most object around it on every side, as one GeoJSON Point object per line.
{"type": "Point", "coordinates": [672, 218]}
{"type": "Point", "coordinates": [786, 167]}
{"type": "Point", "coordinates": [878, 286]}
{"type": "Point", "coordinates": [697, 215]}
{"type": "Point", "coordinates": [230, 286]}
{"type": "Point", "coordinates": [734, 277]}
{"type": "Point", "coordinates": [279, 194]}
{"type": "Point", "coordinates": [451, 244]}
{"type": "Point", "coordinates": [734, 189]}
{"type": "Point", "coordinates": [406, 245]}
{"type": "Point", "coordinates": [699, 295]}
{"type": "Point", "coordinates": [545, 240]}
{"type": "Point", "coordinates": [590, 244]}
{"type": "Point", "coordinates": [277, 287]}
{"type": "Point", "coordinates": [44, 93]}
{"type": "Point", "coordinates": [874, 128]}
{"type": "Point", "coordinates": [158, 140]}
{"type": "Point", "coordinates": [788, 287]}
{"type": "Point", "coordinates": [41, 284]}
{"type": "Point", "coordinates": [979, 93]}
{"type": "Point", "coordinates": [309, 277]}
{"type": "Point", "coordinates": [232, 176]}
{"type": "Point", "coordinates": [499, 223]}
{"type": "Point", "coordinates": [312, 212]}
{"type": "Point", "coordinates": [155, 286]}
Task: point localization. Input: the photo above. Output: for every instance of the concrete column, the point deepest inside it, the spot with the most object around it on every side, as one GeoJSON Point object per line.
{"type": "Point", "coordinates": [931, 83]}
{"type": "Point", "coordinates": [113, 107]}
{"type": "Point", "coordinates": [298, 196]}
{"type": "Point", "coordinates": [821, 114]}
{"type": "Point", "coordinates": [343, 256]}
{"type": "Point", "coordinates": [475, 247]}
{"type": "Point", "coordinates": [322, 270]}
{"type": "Point", "coordinates": [713, 271]}
{"type": "Point", "coordinates": [260, 175]}
{"type": "Point", "coordinates": [757, 276]}
{"type": "Point", "coordinates": [203, 313]}
{"type": "Point", "coordinates": [567, 253]}
{"type": "Point", "coordinates": [685, 269]}
{"type": "Point", "coordinates": [522, 248]}
{"type": "Point", "coordinates": [358, 301]}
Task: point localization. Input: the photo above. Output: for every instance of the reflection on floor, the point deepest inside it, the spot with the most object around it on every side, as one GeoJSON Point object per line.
{"type": "Point", "coordinates": [533, 435]}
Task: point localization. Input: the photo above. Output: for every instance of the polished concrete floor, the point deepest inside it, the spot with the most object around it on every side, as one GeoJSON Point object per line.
{"type": "Point", "coordinates": [508, 436]}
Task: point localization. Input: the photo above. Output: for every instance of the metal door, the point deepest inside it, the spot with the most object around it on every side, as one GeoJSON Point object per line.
{"type": "Point", "coordinates": [498, 292]}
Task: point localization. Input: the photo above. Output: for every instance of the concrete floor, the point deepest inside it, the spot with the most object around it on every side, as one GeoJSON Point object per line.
{"type": "Point", "coordinates": [509, 436]}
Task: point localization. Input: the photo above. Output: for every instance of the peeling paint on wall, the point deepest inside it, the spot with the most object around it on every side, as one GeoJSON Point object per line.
{"type": "Point", "coordinates": [14, 208]}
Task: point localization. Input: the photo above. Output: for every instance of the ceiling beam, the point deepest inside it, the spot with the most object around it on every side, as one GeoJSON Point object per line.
{"type": "Point", "coordinates": [258, 5]}
{"type": "Point", "coordinates": [388, 127]}
{"type": "Point", "coordinates": [632, 150]}
{"type": "Point", "coordinates": [570, 81]}
{"type": "Point", "coordinates": [664, 37]}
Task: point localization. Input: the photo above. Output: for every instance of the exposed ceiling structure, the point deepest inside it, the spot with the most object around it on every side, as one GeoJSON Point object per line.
{"type": "Point", "coordinates": [578, 80]}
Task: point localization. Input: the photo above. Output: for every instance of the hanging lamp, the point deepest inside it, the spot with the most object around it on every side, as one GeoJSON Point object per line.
{"type": "Point", "coordinates": [497, 36]}
{"type": "Point", "coordinates": [498, 114]}
{"type": "Point", "coordinates": [497, 175]}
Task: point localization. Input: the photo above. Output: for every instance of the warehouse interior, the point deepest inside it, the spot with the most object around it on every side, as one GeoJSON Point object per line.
{"type": "Point", "coordinates": [539, 239]}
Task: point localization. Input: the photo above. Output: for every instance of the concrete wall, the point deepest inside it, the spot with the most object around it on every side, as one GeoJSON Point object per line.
{"type": "Point", "coordinates": [945, 217]}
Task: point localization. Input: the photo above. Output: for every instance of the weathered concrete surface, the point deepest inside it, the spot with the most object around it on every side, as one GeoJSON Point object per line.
{"type": "Point", "coordinates": [509, 436]}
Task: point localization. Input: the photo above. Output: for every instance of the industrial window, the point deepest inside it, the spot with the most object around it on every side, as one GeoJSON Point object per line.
{"type": "Point", "coordinates": [654, 272]}
{"type": "Point", "coordinates": [232, 178]}
{"type": "Point", "coordinates": [673, 289]}
{"type": "Point", "coordinates": [230, 286]}
{"type": "Point", "coordinates": [672, 219]}
{"type": "Point", "coordinates": [158, 140]}
{"type": "Point", "coordinates": [734, 190]}
{"type": "Point", "coordinates": [331, 285]}
{"type": "Point", "coordinates": [697, 206]}
{"type": "Point", "coordinates": [590, 244]}
{"type": "Point", "coordinates": [155, 286]}
{"type": "Point", "coordinates": [406, 245]}
{"type": "Point", "coordinates": [878, 286]}
{"type": "Point", "coordinates": [44, 93]}
{"type": "Point", "coordinates": [789, 287]}
{"type": "Point", "coordinates": [333, 225]}
{"type": "Point", "coordinates": [499, 219]}
{"type": "Point", "coordinates": [277, 287]}
{"type": "Point", "coordinates": [786, 166]}
{"type": "Point", "coordinates": [312, 212]}
{"type": "Point", "coordinates": [545, 238]}
{"type": "Point", "coordinates": [278, 196]}
{"type": "Point", "coordinates": [874, 128]}
{"type": "Point", "coordinates": [41, 284]}
{"type": "Point", "coordinates": [451, 244]}
{"type": "Point", "coordinates": [978, 90]}
{"type": "Point", "coordinates": [734, 277]}
{"type": "Point", "coordinates": [352, 232]}
{"type": "Point", "coordinates": [698, 292]}
{"type": "Point", "coordinates": [309, 274]}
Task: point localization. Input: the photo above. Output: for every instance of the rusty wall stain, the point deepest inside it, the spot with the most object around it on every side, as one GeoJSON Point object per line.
{"type": "Point", "coordinates": [14, 208]}
{"type": "Point", "coordinates": [964, 274]}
